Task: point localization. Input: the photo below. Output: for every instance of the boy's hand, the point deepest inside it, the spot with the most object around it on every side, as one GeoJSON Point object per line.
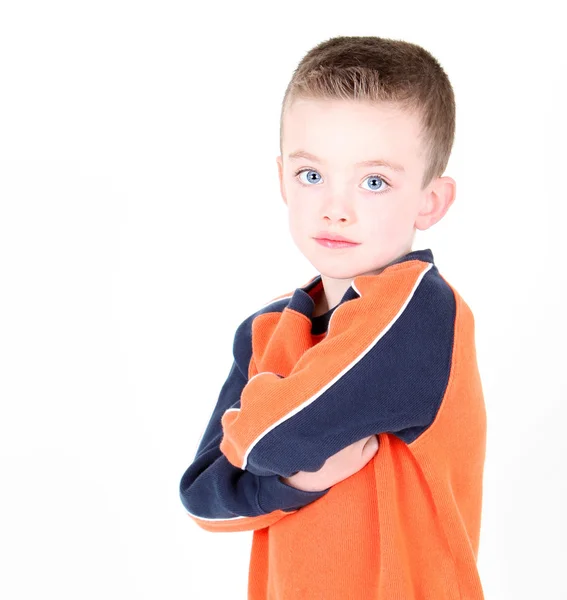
{"type": "Point", "coordinates": [343, 464]}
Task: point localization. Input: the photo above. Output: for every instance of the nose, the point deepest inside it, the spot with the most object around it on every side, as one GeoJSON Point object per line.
{"type": "Point", "coordinates": [337, 207]}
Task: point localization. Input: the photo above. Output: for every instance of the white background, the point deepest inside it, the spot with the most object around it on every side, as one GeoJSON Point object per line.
{"type": "Point", "coordinates": [141, 222]}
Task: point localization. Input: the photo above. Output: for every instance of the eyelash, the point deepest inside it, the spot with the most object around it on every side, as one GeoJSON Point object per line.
{"type": "Point", "coordinates": [371, 191]}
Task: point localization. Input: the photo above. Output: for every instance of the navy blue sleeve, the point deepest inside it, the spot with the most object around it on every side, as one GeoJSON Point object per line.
{"type": "Point", "coordinates": [220, 496]}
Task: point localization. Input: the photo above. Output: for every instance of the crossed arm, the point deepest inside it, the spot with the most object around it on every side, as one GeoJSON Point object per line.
{"type": "Point", "coordinates": [383, 367]}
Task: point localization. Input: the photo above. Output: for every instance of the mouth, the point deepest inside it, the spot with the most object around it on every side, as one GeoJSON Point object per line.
{"type": "Point", "coordinates": [333, 237]}
{"type": "Point", "coordinates": [335, 243]}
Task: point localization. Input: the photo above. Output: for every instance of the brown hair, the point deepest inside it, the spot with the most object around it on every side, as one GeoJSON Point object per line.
{"type": "Point", "coordinates": [379, 70]}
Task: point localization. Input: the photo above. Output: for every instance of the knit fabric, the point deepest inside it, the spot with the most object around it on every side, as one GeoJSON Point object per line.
{"type": "Point", "coordinates": [396, 357]}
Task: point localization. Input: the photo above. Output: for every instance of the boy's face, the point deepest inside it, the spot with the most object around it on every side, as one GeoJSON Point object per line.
{"type": "Point", "coordinates": [376, 206]}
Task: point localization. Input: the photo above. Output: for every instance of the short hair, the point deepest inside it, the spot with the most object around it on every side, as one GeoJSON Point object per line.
{"type": "Point", "coordinates": [380, 70]}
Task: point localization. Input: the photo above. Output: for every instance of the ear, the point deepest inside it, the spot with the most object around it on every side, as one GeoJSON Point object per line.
{"type": "Point", "coordinates": [279, 160]}
{"type": "Point", "coordinates": [436, 202]}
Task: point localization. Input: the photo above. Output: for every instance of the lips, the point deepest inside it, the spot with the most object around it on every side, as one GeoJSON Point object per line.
{"type": "Point", "coordinates": [335, 243]}
{"type": "Point", "coordinates": [333, 237]}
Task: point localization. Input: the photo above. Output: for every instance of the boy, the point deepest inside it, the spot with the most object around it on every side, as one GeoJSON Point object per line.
{"type": "Point", "coordinates": [377, 347]}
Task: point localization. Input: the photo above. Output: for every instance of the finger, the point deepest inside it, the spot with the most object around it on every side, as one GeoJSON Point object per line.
{"type": "Point", "coordinates": [371, 447]}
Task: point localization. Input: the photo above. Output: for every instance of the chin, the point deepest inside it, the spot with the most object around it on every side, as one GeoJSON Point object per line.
{"type": "Point", "coordinates": [336, 271]}
{"type": "Point", "coordinates": [333, 269]}
{"type": "Point", "coordinates": [340, 265]}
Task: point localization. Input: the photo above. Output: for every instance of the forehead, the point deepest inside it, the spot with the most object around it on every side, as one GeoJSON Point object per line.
{"type": "Point", "coordinates": [351, 130]}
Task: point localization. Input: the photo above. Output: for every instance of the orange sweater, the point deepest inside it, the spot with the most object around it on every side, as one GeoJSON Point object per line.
{"type": "Point", "coordinates": [396, 357]}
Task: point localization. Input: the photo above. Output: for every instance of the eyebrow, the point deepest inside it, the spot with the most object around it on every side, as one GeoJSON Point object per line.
{"type": "Point", "coordinates": [364, 163]}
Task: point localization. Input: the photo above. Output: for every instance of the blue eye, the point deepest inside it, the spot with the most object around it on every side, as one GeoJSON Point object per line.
{"type": "Point", "coordinates": [375, 178]}
{"type": "Point", "coordinates": [307, 171]}
{"type": "Point", "coordinates": [314, 177]}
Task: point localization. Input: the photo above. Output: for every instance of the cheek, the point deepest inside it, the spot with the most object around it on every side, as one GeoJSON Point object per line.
{"type": "Point", "coordinates": [299, 215]}
{"type": "Point", "coordinates": [385, 223]}
{"type": "Point", "coordinates": [297, 224]}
